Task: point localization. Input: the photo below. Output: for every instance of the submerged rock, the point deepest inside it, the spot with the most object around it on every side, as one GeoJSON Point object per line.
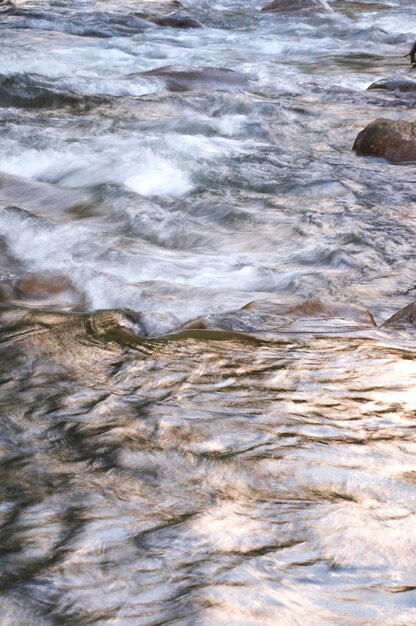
{"type": "Point", "coordinates": [324, 310]}
{"type": "Point", "coordinates": [90, 345]}
{"type": "Point", "coordinates": [404, 317]}
{"type": "Point", "coordinates": [98, 324]}
{"type": "Point", "coordinates": [86, 23]}
{"type": "Point", "coordinates": [270, 315]}
{"type": "Point", "coordinates": [178, 19]}
{"type": "Point", "coordinates": [291, 6]}
{"type": "Point", "coordinates": [41, 198]}
{"type": "Point", "coordinates": [51, 291]}
{"type": "Point", "coordinates": [404, 85]}
{"type": "Point", "coordinates": [186, 79]}
{"type": "Point", "coordinates": [111, 320]}
{"type": "Point", "coordinates": [32, 91]}
{"type": "Point", "coordinates": [393, 140]}
{"type": "Point", "coordinates": [38, 285]}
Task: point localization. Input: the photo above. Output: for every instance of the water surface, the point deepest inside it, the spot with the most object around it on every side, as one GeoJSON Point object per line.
{"type": "Point", "coordinates": [258, 472]}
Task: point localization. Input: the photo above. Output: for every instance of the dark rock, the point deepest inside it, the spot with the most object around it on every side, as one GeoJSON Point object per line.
{"type": "Point", "coordinates": [395, 141]}
{"type": "Point", "coordinates": [178, 19]}
{"type": "Point", "coordinates": [293, 6]}
{"type": "Point", "coordinates": [412, 54]}
{"type": "Point", "coordinates": [404, 317]}
{"type": "Point", "coordinates": [395, 84]}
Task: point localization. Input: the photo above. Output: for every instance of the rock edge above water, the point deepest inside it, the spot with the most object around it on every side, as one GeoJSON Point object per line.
{"type": "Point", "coordinates": [404, 85]}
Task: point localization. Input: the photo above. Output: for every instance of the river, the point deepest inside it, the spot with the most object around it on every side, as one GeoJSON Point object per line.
{"type": "Point", "coordinates": [255, 467]}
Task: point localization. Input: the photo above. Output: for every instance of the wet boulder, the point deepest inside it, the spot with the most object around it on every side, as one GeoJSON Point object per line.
{"type": "Point", "coordinates": [393, 140]}
{"type": "Point", "coordinates": [294, 6]}
{"type": "Point", "coordinates": [404, 85]}
{"type": "Point", "coordinates": [404, 317]}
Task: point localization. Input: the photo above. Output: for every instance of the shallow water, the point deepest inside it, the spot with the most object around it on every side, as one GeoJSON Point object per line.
{"type": "Point", "coordinates": [253, 469]}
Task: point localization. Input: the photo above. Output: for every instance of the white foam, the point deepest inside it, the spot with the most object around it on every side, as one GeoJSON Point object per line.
{"type": "Point", "coordinates": [160, 178]}
{"type": "Point", "coordinates": [37, 164]}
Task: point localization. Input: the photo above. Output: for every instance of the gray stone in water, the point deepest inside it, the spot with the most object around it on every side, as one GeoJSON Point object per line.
{"type": "Point", "coordinates": [175, 20]}
{"type": "Point", "coordinates": [293, 6]}
{"type": "Point", "coordinates": [395, 84]}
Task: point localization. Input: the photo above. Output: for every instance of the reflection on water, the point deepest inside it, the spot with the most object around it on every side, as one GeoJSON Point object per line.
{"type": "Point", "coordinates": [203, 421]}
{"type": "Point", "coordinates": [205, 477]}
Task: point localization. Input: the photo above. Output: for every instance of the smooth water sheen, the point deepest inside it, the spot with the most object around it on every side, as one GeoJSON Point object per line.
{"type": "Point", "coordinates": [260, 472]}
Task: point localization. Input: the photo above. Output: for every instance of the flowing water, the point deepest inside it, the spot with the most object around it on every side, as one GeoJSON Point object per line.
{"type": "Point", "coordinates": [255, 467]}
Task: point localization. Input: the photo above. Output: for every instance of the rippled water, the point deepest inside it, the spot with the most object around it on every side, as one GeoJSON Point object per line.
{"type": "Point", "coordinates": [254, 467]}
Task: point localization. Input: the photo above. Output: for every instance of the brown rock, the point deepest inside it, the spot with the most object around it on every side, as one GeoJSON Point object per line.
{"type": "Point", "coordinates": [292, 6]}
{"type": "Point", "coordinates": [38, 285]}
{"type": "Point", "coordinates": [319, 309]}
{"type": "Point", "coordinates": [404, 317]}
{"type": "Point", "coordinates": [396, 141]}
{"type": "Point", "coordinates": [53, 291]}
{"type": "Point", "coordinates": [197, 324]}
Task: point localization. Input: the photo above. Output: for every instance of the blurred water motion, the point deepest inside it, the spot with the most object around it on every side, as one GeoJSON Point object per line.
{"type": "Point", "coordinates": [166, 456]}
